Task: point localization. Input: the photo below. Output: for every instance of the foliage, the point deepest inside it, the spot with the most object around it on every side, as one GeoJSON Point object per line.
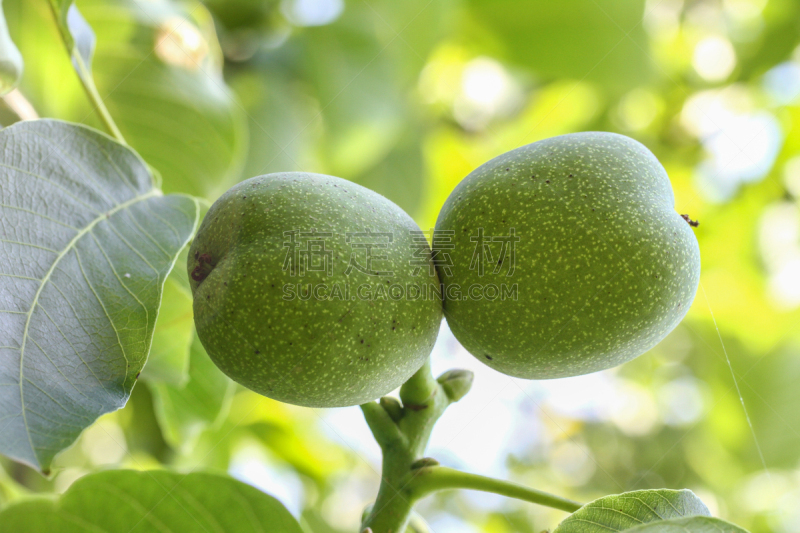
{"type": "Point", "coordinates": [82, 217]}
{"type": "Point", "coordinates": [152, 501]}
{"type": "Point", "coordinates": [629, 510]}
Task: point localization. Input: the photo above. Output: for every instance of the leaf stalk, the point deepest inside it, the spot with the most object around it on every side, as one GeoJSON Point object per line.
{"type": "Point", "coordinates": [85, 75]}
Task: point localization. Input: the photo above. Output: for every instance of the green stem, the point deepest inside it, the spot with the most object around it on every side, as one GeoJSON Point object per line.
{"type": "Point", "coordinates": [436, 478]}
{"type": "Point", "coordinates": [94, 97]}
{"type": "Point", "coordinates": [85, 76]}
{"type": "Point", "coordinates": [403, 431]}
{"type": "Point", "coordinates": [20, 105]}
{"type": "Point", "coordinates": [403, 436]}
{"type": "Point", "coordinates": [419, 388]}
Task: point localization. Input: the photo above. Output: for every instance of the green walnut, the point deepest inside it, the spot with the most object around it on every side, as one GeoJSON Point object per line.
{"type": "Point", "coordinates": [565, 257]}
{"type": "Point", "coordinates": [313, 290]}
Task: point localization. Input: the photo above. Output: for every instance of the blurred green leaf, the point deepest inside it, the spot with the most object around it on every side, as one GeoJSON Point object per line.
{"type": "Point", "coordinates": [697, 524]}
{"type": "Point", "coordinates": [244, 15]}
{"type": "Point", "coordinates": [143, 433]}
{"type": "Point", "coordinates": [88, 243]}
{"type": "Point", "coordinates": [77, 34]}
{"type": "Point", "coordinates": [769, 389]}
{"type": "Point", "coordinates": [314, 523]}
{"type": "Point", "coordinates": [580, 39]}
{"type": "Point", "coordinates": [291, 433]}
{"type": "Point", "coordinates": [10, 58]}
{"type": "Point", "coordinates": [185, 411]}
{"type": "Point", "coordinates": [124, 500]}
{"type": "Point", "coordinates": [400, 175]}
{"type": "Point", "coordinates": [363, 107]}
{"type": "Point", "coordinates": [10, 489]}
{"type": "Point", "coordinates": [158, 67]}
{"type": "Point", "coordinates": [734, 283]}
{"type": "Point", "coordinates": [283, 120]}
{"type": "Point", "coordinates": [412, 29]}
{"type": "Point", "coordinates": [36, 32]}
{"type": "Point", "coordinates": [624, 511]}
{"type": "Point", "coordinates": [779, 37]}
{"type": "Point", "coordinates": [361, 69]}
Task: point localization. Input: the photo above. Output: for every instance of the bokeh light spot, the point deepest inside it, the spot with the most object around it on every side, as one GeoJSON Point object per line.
{"type": "Point", "coordinates": [714, 58]}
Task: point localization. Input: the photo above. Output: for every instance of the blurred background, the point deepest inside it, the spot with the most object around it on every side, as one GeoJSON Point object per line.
{"type": "Point", "coordinates": [407, 98]}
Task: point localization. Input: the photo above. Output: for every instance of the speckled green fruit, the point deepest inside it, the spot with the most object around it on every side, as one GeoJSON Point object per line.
{"type": "Point", "coordinates": [277, 308]}
{"type": "Point", "coordinates": [604, 267]}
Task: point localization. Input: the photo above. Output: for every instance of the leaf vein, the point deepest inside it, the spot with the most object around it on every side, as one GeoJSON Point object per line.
{"type": "Point", "coordinates": [102, 305]}
{"type": "Point", "coordinates": [150, 237]}
{"type": "Point", "coordinates": [89, 368]}
{"type": "Point", "coordinates": [47, 356]}
{"type": "Point", "coordinates": [31, 245]}
{"type": "Point", "coordinates": [15, 276]}
{"type": "Point", "coordinates": [116, 274]}
{"type": "Point", "coordinates": [163, 221]}
{"type": "Point", "coordinates": [50, 182]}
{"type": "Point", "coordinates": [32, 212]}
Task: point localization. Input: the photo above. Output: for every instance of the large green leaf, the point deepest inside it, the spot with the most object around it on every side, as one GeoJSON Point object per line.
{"type": "Point", "coordinates": [695, 524]}
{"type": "Point", "coordinates": [185, 411]}
{"type": "Point", "coordinates": [152, 501]}
{"type": "Point", "coordinates": [86, 243]}
{"type": "Point", "coordinates": [159, 69]}
{"type": "Point", "coordinates": [10, 58]}
{"type": "Point", "coordinates": [623, 511]}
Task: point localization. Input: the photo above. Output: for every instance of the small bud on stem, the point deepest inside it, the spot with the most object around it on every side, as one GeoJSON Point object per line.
{"type": "Point", "coordinates": [422, 463]}
{"type": "Point", "coordinates": [456, 383]}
